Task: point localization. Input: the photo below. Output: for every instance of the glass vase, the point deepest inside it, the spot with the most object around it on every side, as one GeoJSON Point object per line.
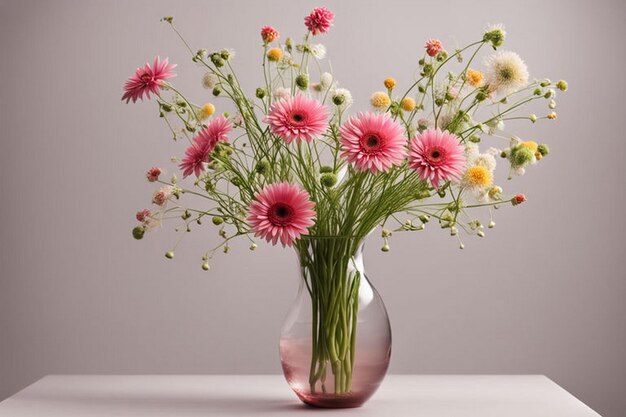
{"type": "Point", "coordinates": [335, 343]}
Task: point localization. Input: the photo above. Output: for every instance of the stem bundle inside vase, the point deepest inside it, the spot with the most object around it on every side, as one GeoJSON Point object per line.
{"type": "Point", "coordinates": [332, 281]}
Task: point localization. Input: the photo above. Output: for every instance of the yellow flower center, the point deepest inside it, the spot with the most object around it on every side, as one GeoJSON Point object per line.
{"type": "Point", "coordinates": [478, 176]}
{"type": "Point", "coordinates": [530, 144]}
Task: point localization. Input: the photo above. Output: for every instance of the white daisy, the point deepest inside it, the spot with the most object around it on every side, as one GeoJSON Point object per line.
{"type": "Point", "coordinates": [318, 51]}
{"type": "Point", "coordinates": [505, 72]}
{"type": "Point", "coordinates": [342, 98]}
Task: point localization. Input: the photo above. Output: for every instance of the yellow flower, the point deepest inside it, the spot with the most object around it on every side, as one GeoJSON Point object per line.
{"type": "Point", "coordinates": [390, 83]}
{"type": "Point", "coordinates": [530, 144]}
{"type": "Point", "coordinates": [380, 100]}
{"type": "Point", "coordinates": [407, 104]}
{"type": "Point", "coordinates": [474, 78]}
{"type": "Point", "coordinates": [206, 111]}
{"type": "Point", "coordinates": [275, 54]}
{"type": "Point", "coordinates": [478, 176]}
{"type": "Point", "coordinates": [552, 116]}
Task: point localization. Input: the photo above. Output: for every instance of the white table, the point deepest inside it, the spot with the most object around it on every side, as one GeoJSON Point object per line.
{"type": "Point", "coordinates": [269, 395]}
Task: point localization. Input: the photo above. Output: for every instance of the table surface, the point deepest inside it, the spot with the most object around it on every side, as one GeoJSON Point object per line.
{"type": "Point", "coordinates": [269, 395]}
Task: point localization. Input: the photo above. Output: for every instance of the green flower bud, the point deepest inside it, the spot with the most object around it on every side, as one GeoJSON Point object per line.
{"type": "Point", "coordinates": [481, 96]}
{"type": "Point", "coordinates": [424, 218]}
{"type": "Point", "coordinates": [302, 81]}
{"type": "Point", "coordinates": [495, 36]}
{"type": "Point", "coordinates": [442, 56]}
{"type": "Point", "coordinates": [205, 266]}
{"type": "Point", "coordinates": [217, 220]}
{"type": "Point", "coordinates": [325, 169]}
{"type": "Point", "coordinates": [491, 224]}
{"type": "Point", "coordinates": [422, 194]}
{"type": "Point", "coordinates": [217, 60]}
{"type": "Point", "coordinates": [428, 68]}
{"type": "Point", "coordinates": [168, 19]}
{"type": "Point", "coordinates": [260, 92]}
{"type": "Point", "coordinates": [537, 92]}
{"type": "Point", "coordinates": [253, 246]}
{"type": "Point", "coordinates": [421, 62]}
{"type": "Point", "coordinates": [533, 118]}
{"type": "Point", "coordinates": [474, 139]}
{"type": "Point", "coordinates": [421, 88]}
{"type": "Point", "coordinates": [562, 85]}
{"type": "Point", "coordinates": [225, 54]}
{"type": "Point", "coordinates": [217, 91]}
{"type": "Point", "coordinates": [338, 99]}
{"type": "Point", "coordinates": [385, 248]}
{"type": "Point", "coordinates": [262, 167]}
{"type": "Point", "coordinates": [545, 83]}
{"type": "Point", "coordinates": [481, 233]}
{"type": "Point", "coordinates": [169, 254]}
{"type": "Point", "coordinates": [522, 157]}
{"type": "Point", "coordinates": [138, 232]}
{"type": "Point", "coordinates": [438, 101]}
{"type": "Point", "coordinates": [549, 94]}
{"type": "Point", "coordinates": [328, 179]}
{"type": "Point", "coordinates": [543, 149]}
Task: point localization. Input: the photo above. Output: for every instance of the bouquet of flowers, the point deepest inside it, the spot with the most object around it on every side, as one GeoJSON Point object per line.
{"type": "Point", "coordinates": [290, 164]}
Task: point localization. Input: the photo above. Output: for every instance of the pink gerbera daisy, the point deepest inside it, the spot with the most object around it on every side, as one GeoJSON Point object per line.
{"type": "Point", "coordinates": [297, 117]}
{"type": "Point", "coordinates": [433, 47]}
{"type": "Point", "coordinates": [319, 21]}
{"type": "Point", "coordinates": [200, 150]}
{"type": "Point", "coordinates": [282, 212]}
{"type": "Point", "coordinates": [148, 80]}
{"type": "Point", "coordinates": [372, 141]}
{"type": "Point", "coordinates": [437, 156]}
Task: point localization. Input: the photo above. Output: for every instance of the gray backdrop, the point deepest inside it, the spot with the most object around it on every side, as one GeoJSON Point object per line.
{"type": "Point", "coordinates": [542, 293]}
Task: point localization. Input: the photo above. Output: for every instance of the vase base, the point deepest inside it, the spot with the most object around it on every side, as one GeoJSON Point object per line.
{"type": "Point", "coordinates": [349, 400]}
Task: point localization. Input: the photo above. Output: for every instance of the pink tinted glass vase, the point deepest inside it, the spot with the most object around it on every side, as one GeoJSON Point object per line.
{"type": "Point", "coordinates": [335, 343]}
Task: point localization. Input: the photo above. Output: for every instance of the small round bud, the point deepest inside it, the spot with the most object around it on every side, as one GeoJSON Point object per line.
{"type": "Point", "coordinates": [217, 60]}
{"type": "Point", "coordinates": [225, 54]}
{"type": "Point", "coordinates": [302, 81]}
{"type": "Point", "coordinates": [338, 99]}
{"type": "Point", "coordinates": [552, 104]}
{"type": "Point", "coordinates": [169, 254]}
{"type": "Point", "coordinates": [461, 246]}
{"type": "Point", "coordinates": [454, 231]}
{"type": "Point", "coordinates": [481, 233]}
{"type": "Point", "coordinates": [138, 232]}
{"type": "Point", "coordinates": [537, 92]}
{"type": "Point", "coordinates": [217, 91]}
{"type": "Point", "coordinates": [328, 179]}
{"type": "Point", "coordinates": [424, 218]}
{"type": "Point", "coordinates": [562, 85]}
{"type": "Point", "coordinates": [481, 96]}
{"type": "Point", "coordinates": [253, 246]}
{"type": "Point", "coordinates": [545, 82]}
{"type": "Point", "coordinates": [217, 220]}
{"type": "Point", "coordinates": [518, 199]}
{"type": "Point", "coordinates": [491, 224]}
{"type": "Point", "coordinates": [543, 149]}
{"type": "Point", "coordinates": [533, 118]}
{"type": "Point", "coordinates": [407, 104]}
{"type": "Point", "coordinates": [262, 167]}
{"type": "Point", "coordinates": [385, 248]}
{"type": "Point", "coordinates": [522, 156]}
{"type": "Point", "coordinates": [390, 83]}
{"type": "Point", "coordinates": [205, 266]}
{"type": "Point", "coordinates": [260, 92]}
